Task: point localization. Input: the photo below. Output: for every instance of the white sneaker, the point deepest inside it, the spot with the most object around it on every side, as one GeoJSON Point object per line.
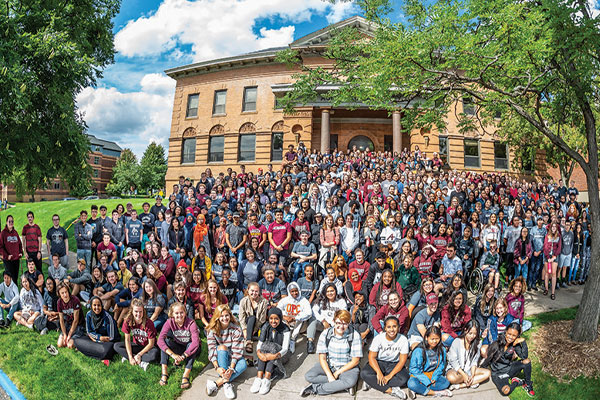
{"type": "Point", "coordinates": [365, 386]}
{"type": "Point", "coordinates": [211, 387]}
{"type": "Point", "coordinates": [124, 360]}
{"type": "Point", "coordinates": [399, 393]}
{"type": "Point", "coordinates": [292, 346]}
{"type": "Point", "coordinates": [256, 385]}
{"type": "Point", "coordinates": [475, 386]}
{"type": "Point", "coordinates": [265, 387]}
{"type": "Point", "coordinates": [228, 390]}
{"type": "Point", "coordinates": [144, 365]}
{"type": "Point", "coordinates": [44, 331]}
{"type": "Point", "coordinates": [454, 387]}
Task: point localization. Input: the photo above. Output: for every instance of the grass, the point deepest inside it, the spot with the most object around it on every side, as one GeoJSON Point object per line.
{"type": "Point", "coordinates": [71, 375]}
{"type": "Point", "coordinates": [546, 386]}
{"type": "Point", "coordinates": [67, 210]}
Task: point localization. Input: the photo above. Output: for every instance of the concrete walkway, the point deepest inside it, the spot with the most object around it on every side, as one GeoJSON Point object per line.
{"type": "Point", "coordinates": [301, 362]}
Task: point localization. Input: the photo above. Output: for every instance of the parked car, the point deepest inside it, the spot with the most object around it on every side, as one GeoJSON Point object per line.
{"type": "Point", "coordinates": [91, 198]}
{"type": "Point", "coordinates": [69, 198]}
{"type": "Point", "coordinates": [114, 198]}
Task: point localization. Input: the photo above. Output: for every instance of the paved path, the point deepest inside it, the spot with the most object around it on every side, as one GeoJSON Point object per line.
{"type": "Point", "coordinates": [301, 362]}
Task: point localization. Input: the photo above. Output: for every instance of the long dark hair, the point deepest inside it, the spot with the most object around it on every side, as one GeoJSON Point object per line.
{"type": "Point", "coordinates": [323, 300]}
{"type": "Point", "coordinates": [453, 311]}
{"type": "Point", "coordinates": [439, 348]}
{"type": "Point", "coordinates": [474, 348]}
{"type": "Point", "coordinates": [392, 285]}
{"type": "Point", "coordinates": [497, 348]}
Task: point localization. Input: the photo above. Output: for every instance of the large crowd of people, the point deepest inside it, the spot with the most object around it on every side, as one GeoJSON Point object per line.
{"type": "Point", "coordinates": [373, 250]}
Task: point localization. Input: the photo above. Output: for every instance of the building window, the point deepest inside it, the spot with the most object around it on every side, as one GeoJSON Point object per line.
{"type": "Point", "coordinates": [528, 162]}
{"type": "Point", "coordinates": [56, 185]}
{"type": "Point", "coordinates": [96, 173]}
{"type": "Point", "coordinates": [247, 147]}
{"type": "Point", "coordinates": [444, 150]}
{"type": "Point", "coordinates": [500, 155]}
{"type": "Point", "coordinates": [388, 142]}
{"type": "Point", "coordinates": [192, 106]}
{"type": "Point", "coordinates": [216, 147]}
{"type": "Point", "coordinates": [333, 142]}
{"type": "Point", "coordinates": [468, 105]}
{"type": "Point", "coordinates": [278, 103]}
{"type": "Point", "coordinates": [219, 102]}
{"type": "Point", "coordinates": [188, 151]}
{"type": "Point", "coordinates": [97, 148]}
{"type": "Point", "coordinates": [249, 99]}
{"type": "Point", "coordinates": [362, 143]}
{"type": "Point", "coordinates": [277, 146]}
{"type": "Point", "coordinates": [472, 153]}
{"type": "Point", "coordinates": [96, 160]}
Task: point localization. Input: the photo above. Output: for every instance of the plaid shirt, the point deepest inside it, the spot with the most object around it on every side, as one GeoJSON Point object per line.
{"type": "Point", "coordinates": [338, 352]}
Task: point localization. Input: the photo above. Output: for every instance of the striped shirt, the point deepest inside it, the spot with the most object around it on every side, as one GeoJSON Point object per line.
{"type": "Point", "coordinates": [232, 338]}
{"type": "Point", "coordinates": [338, 352]}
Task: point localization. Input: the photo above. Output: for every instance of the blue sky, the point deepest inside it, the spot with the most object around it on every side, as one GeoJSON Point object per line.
{"type": "Point", "coordinates": [132, 104]}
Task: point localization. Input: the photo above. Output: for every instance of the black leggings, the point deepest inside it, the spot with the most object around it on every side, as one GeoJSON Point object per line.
{"type": "Point", "coordinates": [250, 322]}
{"type": "Point", "coordinates": [12, 266]}
{"type": "Point", "coordinates": [178, 349]}
{"type": "Point", "coordinates": [503, 379]}
{"type": "Point", "coordinates": [152, 356]}
{"type": "Point", "coordinates": [369, 375]}
{"type": "Point", "coordinates": [100, 351]}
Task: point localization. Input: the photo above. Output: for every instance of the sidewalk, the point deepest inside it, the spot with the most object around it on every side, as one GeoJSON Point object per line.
{"type": "Point", "coordinates": [302, 362]}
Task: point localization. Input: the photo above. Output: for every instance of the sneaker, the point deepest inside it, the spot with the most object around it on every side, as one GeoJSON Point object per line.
{"type": "Point", "coordinates": [228, 390]}
{"type": "Point", "coordinates": [365, 386]}
{"type": "Point", "coordinates": [211, 387]}
{"type": "Point", "coordinates": [3, 323]}
{"type": "Point", "coordinates": [529, 389]}
{"type": "Point", "coordinates": [292, 346]}
{"type": "Point", "coordinates": [144, 365]}
{"type": "Point", "coordinates": [106, 362]}
{"type": "Point", "coordinates": [307, 391]}
{"type": "Point", "coordinates": [310, 347]}
{"type": "Point", "coordinates": [454, 387]}
{"type": "Point", "coordinates": [265, 387]}
{"type": "Point", "coordinates": [52, 350]}
{"type": "Point", "coordinates": [444, 393]}
{"type": "Point", "coordinates": [124, 360]}
{"type": "Point", "coordinates": [256, 385]}
{"type": "Point", "coordinates": [564, 285]}
{"type": "Point", "coordinates": [352, 391]}
{"type": "Point", "coordinates": [534, 288]}
{"type": "Point", "coordinates": [44, 331]}
{"type": "Point", "coordinates": [399, 393]}
{"type": "Point", "coordinates": [411, 395]}
{"type": "Point", "coordinates": [516, 380]}
{"type": "Point", "coordinates": [475, 386]}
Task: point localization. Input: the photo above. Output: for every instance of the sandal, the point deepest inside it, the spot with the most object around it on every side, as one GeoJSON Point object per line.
{"type": "Point", "coordinates": [164, 378]}
{"type": "Point", "coordinates": [545, 292]}
{"type": "Point", "coordinates": [185, 383]}
{"type": "Point", "coordinates": [552, 296]}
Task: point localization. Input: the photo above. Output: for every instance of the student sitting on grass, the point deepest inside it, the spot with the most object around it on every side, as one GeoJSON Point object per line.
{"type": "Point", "coordinates": [109, 291]}
{"type": "Point", "coordinates": [31, 303]}
{"type": "Point", "coordinates": [69, 309]}
{"type": "Point", "coordinates": [51, 322]}
{"type": "Point", "coordinates": [80, 280]}
{"type": "Point", "coordinates": [123, 299]}
{"type": "Point", "coordinates": [101, 333]}
{"type": "Point", "coordinates": [139, 347]}
{"type": "Point", "coordinates": [179, 340]}
{"type": "Point", "coordinates": [225, 343]}
{"type": "Point", "coordinates": [35, 275]}
{"type": "Point", "coordinates": [181, 296]}
{"type": "Point", "coordinates": [10, 303]}
{"type": "Point", "coordinates": [155, 303]}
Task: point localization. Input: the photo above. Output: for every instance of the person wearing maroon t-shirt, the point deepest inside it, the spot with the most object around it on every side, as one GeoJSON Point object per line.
{"type": "Point", "coordinates": [255, 229]}
{"type": "Point", "coordinates": [106, 248]}
{"type": "Point", "coordinates": [69, 309]}
{"type": "Point", "coordinates": [31, 237]}
{"type": "Point", "coordinates": [139, 347]}
{"type": "Point", "coordinates": [280, 235]}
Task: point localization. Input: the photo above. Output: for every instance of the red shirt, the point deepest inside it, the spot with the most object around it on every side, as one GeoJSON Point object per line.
{"type": "Point", "coordinates": [141, 334]}
{"type": "Point", "coordinates": [32, 234]}
{"type": "Point", "coordinates": [68, 310]}
{"type": "Point", "coordinates": [257, 231]}
{"type": "Point", "coordinates": [279, 232]}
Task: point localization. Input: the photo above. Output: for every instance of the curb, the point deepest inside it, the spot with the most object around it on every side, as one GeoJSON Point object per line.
{"type": "Point", "coordinates": [10, 388]}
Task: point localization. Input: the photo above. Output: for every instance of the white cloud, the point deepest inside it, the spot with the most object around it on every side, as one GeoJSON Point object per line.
{"type": "Point", "coordinates": [132, 120]}
{"type": "Point", "coordinates": [219, 28]}
{"type": "Point", "coordinates": [594, 7]}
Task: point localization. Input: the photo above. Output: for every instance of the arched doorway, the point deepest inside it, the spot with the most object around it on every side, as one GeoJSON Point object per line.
{"type": "Point", "coordinates": [361, 142]}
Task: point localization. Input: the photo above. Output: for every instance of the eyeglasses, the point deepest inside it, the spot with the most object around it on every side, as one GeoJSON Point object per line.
{"type": "Point", "coordinates": [342, 323]}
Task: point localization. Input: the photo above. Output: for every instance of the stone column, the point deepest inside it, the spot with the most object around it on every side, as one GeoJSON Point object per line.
{"type": "Point", "coordinates": [325, 137]}
{"type": "Point", "coordinates": [396, 129]}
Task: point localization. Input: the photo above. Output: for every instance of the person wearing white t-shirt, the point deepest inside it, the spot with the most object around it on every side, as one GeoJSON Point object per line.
{"type": "Point", "coordinates": [386, 370]}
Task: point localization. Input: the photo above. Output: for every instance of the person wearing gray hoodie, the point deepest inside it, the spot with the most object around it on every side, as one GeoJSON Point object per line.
{"type": "Point", "coordinates": [296, 311]}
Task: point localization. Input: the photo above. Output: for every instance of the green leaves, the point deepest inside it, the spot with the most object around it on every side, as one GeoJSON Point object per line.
{"type": "Point", "coordinates": [147, 175]}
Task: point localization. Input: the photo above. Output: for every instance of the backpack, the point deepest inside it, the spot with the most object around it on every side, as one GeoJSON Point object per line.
{"type": "Point", "coordinates": [350, 337]}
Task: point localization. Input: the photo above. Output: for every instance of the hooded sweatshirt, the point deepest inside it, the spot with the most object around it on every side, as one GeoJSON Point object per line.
{"type": "Point", "coordinates": [298, 307]}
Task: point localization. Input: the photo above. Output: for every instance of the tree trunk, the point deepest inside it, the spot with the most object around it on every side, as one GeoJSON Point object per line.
{"type": "Point", "coordinates": [585, 328]}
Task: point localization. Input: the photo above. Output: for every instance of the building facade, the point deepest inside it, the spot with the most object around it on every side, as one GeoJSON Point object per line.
{"type": "Point", "coordinates": [226, 113]}
{"type": "Point", "coordinates": [102, 158]}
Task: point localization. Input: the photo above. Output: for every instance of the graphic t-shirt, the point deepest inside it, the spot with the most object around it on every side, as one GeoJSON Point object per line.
{"type": "Point", "coordinates": [68, 309]}
{"type": "Point", "coordinates": [57, 237]}
{"type": "Point", "coordinates": [389, 350]}
{"type": "Point", "coordinates": [140, 334]}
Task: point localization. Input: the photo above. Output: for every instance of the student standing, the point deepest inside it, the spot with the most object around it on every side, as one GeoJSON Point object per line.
{"type": "Point", "coordinates": [57, 241]}
{"type": "Point", "coordinates": [31, 237]}
{"type": "Point", "coordinates": [11, 248]}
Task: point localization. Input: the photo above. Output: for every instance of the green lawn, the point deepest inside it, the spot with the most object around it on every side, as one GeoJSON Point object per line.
{"type": "Point", "coordinates": [71, 375]}
{"type": "Point", "coordinates": [546, 386]}
{"type": "Point", "coordinates": [67, 210]}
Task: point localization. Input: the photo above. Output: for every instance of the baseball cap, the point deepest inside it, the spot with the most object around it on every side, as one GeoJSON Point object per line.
{"type": "Point", "coordinates": [432, 298]}
{"type": "Point", "coordinates": [236, 215]}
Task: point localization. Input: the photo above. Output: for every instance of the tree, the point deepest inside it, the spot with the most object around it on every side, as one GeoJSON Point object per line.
{"type": "Point", "coordinates": [537, 58]}
{"type": "Point", "coordinates": [153, 168]}
{"type": "Point", "coordinates": [125, 174]}
{"type": "Point", "coordinates": [49, 51]}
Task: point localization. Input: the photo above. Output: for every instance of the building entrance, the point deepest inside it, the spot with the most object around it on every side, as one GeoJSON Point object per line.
{"type": "Point", "coordinates": [361, 142]}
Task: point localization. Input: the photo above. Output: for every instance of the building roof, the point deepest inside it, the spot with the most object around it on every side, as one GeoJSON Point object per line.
{"type": "Point", "coordinates": [104, 143]}
{"type": "Point", "coordinates": [318, 38]}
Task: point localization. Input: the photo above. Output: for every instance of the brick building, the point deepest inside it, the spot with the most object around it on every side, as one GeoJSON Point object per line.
{"type": "Point", "coordinates": [226, 113]}
{"type": "Point", "coordinates": [102, 158]}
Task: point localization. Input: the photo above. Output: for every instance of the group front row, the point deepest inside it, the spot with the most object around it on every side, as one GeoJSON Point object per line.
{"type": "Point", "coordinates": [428, 362]}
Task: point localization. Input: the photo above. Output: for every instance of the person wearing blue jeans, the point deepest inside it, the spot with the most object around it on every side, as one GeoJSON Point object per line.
{"type": "Point", "coordinates": [10, 303]}
{"type": "Point", "coordinates": [522, 253]}
{"type": "Point", "coordinates": [535, 267]}
{"type": "Point", "coordinates": [303, 253]}
{"type": "Point", "coordinates": [427, 366]}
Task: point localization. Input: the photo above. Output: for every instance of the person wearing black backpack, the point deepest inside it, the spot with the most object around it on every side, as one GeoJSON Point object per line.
{"type": "Point", "coordinates": [340, 351]}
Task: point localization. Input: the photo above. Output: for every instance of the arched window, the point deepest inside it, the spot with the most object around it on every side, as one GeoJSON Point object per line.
{"type": "Point", "coordinates": [362, 143]}
{"type": "Point", "coordinates": [188, 146]}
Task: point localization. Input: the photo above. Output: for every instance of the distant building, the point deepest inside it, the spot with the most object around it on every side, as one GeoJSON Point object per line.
{"type": "Point", "coordinates": [102, 158]}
